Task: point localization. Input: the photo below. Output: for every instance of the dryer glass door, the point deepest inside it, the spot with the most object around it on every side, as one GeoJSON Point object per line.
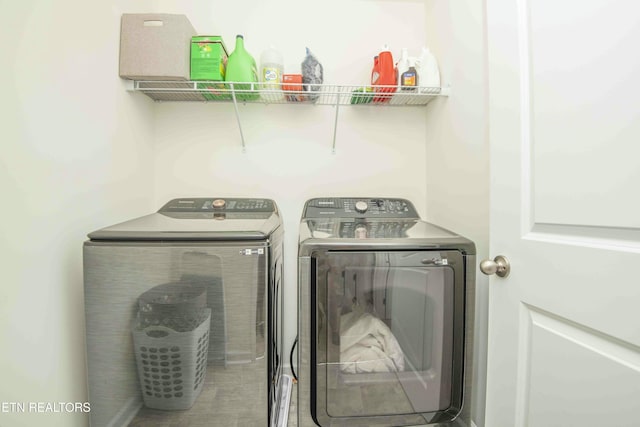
{"type": "Point", "coordinates": [388, 336]}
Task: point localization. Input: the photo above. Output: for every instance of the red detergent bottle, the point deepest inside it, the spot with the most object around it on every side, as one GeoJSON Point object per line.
{"type": "Point", "coordinates": [386, 76]}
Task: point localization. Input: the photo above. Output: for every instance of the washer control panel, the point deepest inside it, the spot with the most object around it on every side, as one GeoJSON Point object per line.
{"type": "Point", "coordinates": [218, 204]}
{"type": "Point", "coordinates": [350, 207]}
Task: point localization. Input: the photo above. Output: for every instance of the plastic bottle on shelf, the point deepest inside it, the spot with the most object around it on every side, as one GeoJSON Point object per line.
{"type": "Point", "coordinates": [428, 72]}
{"type": "Point", "coordinates": [386, 76]}
{"type": "Point", "coordinates": [403, 65]}
{"type": "Point", "coordinates": [271, 70]}
{"type": "Point", "coordinates": [241, 67]}
{"type": "Point", "coordinates": [375, 72]}
{"type": "Point", "coordinates": [409, 79]}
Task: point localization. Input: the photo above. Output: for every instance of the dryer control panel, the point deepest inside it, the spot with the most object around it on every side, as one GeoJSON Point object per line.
{"type": "Point", "coordinates": [351, 207]}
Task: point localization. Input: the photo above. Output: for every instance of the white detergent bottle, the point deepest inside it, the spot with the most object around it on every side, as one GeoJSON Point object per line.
{"type": "Point", "coordinates": [428, 73]}
{"type": "Point", "coordinates": [403, 64]}
{"type": "Point", "coordinates": [271, 70]}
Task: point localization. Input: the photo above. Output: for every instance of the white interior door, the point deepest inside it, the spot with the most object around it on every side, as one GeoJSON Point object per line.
{"type": "Point", "coordinates": [564, 326]}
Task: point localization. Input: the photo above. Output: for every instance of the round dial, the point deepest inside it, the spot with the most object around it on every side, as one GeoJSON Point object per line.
{"type": "Point", "coordinates": [218, 203]}
{"type": "Point", "coordinates": [361, 206]}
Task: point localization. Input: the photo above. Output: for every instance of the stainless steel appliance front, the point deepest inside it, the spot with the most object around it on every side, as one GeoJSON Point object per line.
{"type": "Point", "coordinates": [385, 322]}
{"type": "Point", "coordinates": [205, 343]}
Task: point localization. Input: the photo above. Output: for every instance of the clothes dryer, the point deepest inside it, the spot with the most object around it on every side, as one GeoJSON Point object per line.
{"type": "Point", "coordinates": [386, 308]}
{"type": "Point", "coordinates": [184, 315]}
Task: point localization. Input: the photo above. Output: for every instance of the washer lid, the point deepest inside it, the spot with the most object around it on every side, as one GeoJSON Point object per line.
{"type": "Point", "coordinates": [200, 219]}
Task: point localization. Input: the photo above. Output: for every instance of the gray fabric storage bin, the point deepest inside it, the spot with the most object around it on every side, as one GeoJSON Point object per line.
{"type": "Point", "coordinates": [155, 46]}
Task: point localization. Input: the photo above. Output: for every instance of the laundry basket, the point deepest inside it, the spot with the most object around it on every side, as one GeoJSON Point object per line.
{"type": "Point", "coordinates": [176, 305]}
{"type": "Point", "coordinates": [171, 365]}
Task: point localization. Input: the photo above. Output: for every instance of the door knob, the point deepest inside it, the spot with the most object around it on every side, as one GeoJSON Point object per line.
{"type": "Point", "coordinates": [499, 266]}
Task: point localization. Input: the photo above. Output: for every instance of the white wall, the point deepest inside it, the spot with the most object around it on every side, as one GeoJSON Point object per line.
{"type": "Point", "coordinates": [76, 155]}
{"type": "Point", "coordinates": [457, 161]}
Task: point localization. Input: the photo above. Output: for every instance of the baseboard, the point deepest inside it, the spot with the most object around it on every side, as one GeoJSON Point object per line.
{"type": "Point", "coordinates": [127, 413]}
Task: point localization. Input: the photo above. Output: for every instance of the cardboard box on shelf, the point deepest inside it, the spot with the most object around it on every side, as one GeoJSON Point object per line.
{"type": "Point", "coordinates": [208, 58]}
{"type": "Point", "coordinates": [209, 62]}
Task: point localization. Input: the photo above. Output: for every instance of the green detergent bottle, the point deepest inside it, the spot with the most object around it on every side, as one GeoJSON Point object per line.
{"type": "Point", "coordinates": [241, 67]}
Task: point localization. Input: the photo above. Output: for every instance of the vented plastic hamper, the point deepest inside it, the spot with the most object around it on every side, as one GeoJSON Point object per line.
{"type": "Point", "coordinates": [171, 365]}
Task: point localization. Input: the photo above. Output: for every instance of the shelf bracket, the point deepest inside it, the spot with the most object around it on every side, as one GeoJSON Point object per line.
{"type": "Point", "coordinates": [335, 124]}
{"type": "Point", "coordinates": [344, 96]}
{"type": "Point", "coordinates": [235, 106]}
{"type": "Point", "coordinates": [130, 85]}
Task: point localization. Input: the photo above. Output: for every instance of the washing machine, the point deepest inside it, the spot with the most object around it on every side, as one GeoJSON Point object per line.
{"type": "Point", "coordinates": [386, 308]}
{"type": "Point", "coordinates": [183, 312]}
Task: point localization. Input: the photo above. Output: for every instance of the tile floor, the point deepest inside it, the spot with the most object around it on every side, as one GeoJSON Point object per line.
{"type": "Point", "coordinates": [231, 397]}
{"type": "Point", "coordinates": [226, 401]}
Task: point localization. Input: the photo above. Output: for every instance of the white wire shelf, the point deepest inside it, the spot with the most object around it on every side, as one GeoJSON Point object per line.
{"type": "Point", "coordinates": [319, 94]}
{"type": "Point", "coordinates": [293, 94]}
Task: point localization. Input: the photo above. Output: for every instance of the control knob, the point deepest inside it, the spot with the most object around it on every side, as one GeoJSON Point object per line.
{"type": "Point", "coordinates": [218, 203]}
{"type": "Point", "coordinates": [361, 207]}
